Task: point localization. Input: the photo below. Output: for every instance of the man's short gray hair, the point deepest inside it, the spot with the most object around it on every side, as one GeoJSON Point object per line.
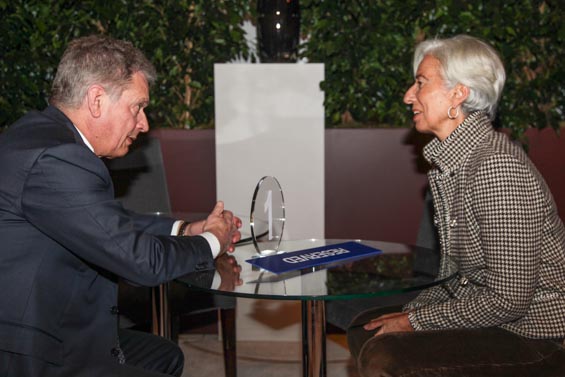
{"type": "Point", "coordinates": [471, 62]}
{"type": "Point", "coordinates": [97, 59]}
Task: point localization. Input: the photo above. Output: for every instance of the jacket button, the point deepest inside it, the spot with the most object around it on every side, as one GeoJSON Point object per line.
{"type": "Point", "coordinates": [115, 352]}
{"type": "Point", "coordinates": [114, 310]}
{"type": "Point", "coordinates": [464, 281]}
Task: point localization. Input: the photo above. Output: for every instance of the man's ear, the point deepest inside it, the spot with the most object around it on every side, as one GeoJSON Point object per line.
{"type": "Point", "coordinates": [94, 97]}
{"type": "Point", "coordinates": [460, 94]}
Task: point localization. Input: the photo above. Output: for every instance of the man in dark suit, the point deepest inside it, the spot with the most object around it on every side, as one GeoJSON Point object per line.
{"type": "Point", "coordinates": [65, 240]}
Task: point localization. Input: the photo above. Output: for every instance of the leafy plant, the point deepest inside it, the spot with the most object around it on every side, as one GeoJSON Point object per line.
{"type": "Point", "coordinates": [183, 38]}
{"type": "Point", "coordinates": [367, 48]}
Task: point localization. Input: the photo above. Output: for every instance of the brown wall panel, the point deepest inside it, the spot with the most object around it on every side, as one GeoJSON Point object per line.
{"type": "Point", "coordinates": [374, 184]}
{"type": "Point", "coordinates": [375, 178]}
{"type": "Point", "coordinates": [190, 166]}
{"type": "Point", "coordinates": [547, 151]}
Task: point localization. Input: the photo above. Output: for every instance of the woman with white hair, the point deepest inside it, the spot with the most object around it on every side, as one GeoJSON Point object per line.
{"type": "Point", "coordinates": [504, 312]}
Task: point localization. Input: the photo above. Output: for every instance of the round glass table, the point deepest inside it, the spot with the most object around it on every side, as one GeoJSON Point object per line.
{"type": "Point", "coordinates": [398, 269]}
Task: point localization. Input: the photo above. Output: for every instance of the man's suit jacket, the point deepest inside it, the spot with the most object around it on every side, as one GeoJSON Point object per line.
{"type": "Point", "coordinates": [64, 240]}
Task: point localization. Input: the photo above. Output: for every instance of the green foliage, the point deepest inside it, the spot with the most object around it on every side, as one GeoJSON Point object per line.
{"type": "Point", "coordinates": [367, 48]}
{"type": "Point", "coordinates": [182, 38]}
{"type": "Point", "coordinates": [366, 45]}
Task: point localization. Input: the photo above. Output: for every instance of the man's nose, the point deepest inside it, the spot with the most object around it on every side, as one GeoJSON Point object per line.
{"type": "Point", "coordinates": [142, 122]}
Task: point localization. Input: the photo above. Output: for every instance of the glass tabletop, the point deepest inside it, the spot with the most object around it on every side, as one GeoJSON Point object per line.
{"type": "Point", "coordinates": [399, 268]}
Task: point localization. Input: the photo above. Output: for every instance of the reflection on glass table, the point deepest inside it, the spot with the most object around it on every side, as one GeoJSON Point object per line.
{"type": "Point", "coordinates": [398, 269]}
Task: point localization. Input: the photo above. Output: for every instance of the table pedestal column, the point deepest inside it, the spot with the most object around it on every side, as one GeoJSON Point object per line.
{"type": "Point", "coordinates": [313, 338]}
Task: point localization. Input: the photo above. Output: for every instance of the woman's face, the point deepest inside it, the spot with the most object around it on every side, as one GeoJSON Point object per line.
{"type": "Point", "coordinates": [430, 100]}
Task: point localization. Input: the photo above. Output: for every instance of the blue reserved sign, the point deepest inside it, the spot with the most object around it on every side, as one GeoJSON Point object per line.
{"type": "Point", "coordinates": [301, 259]}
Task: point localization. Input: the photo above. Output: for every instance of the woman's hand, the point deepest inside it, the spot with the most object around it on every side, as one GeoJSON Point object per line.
{"type": "Point", "coordinates": [393, 322]}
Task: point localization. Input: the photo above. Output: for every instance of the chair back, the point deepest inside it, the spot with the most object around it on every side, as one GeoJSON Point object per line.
{"type": "Point", "coordinates": [139, 177]}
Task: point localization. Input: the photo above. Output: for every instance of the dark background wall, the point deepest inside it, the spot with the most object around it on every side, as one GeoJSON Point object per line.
{"type": "Point", "coordinates": [375, 178]}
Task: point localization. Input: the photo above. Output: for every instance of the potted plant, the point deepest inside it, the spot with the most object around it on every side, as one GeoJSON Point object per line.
{"type": "Point", "coordinates": [367, 48]}
{"type": "Point", "coordinates": [182, 38]}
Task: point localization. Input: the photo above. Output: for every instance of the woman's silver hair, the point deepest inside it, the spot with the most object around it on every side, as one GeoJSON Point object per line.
{"type": "Point", "coordinates": [97, 59]}
{"type": "Point", "coordinates": [471, 62]}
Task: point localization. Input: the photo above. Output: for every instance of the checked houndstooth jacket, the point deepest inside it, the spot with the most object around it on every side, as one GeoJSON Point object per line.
{"type": "Point", "coordinates": [499, 229]}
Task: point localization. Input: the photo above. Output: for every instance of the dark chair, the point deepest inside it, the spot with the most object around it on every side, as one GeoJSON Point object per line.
{"type": "Point", "coordinates": [140, 184]}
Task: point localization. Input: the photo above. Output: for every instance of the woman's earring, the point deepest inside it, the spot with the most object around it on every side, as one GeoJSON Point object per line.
{"type": "Point", "coordinates": [451, 108]}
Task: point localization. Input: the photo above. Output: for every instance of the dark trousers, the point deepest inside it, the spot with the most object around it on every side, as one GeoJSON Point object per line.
{"type": "Point", "coordinates": [151, 353]}
{"type": "Point", "coordinates": [146, 356]}
{"type": "Point", "coordinates": [486, 352]}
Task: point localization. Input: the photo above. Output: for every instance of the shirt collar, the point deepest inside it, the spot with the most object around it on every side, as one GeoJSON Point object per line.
{"type": "Point", "coordinates": [57, 114]}
{"type": "Point", "coordinates": [84, 139]}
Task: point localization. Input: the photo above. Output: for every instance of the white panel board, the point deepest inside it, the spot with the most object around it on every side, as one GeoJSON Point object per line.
{"type": "Point", "coordinates": [270, 121]}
